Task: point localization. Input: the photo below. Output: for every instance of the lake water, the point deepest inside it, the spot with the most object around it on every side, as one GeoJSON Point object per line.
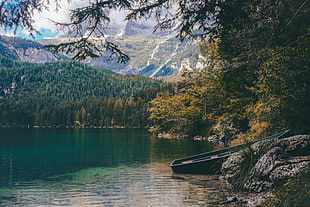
{"type": "Point", "coordinates": [99, 167]}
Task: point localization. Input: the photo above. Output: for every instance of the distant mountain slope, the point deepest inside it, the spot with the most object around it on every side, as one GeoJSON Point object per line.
{"type": "Point", "coordinates": [152, 57]}
{"type": "Point", "coordinates": [152, 54]}
{"type": "Point", "coordinates": [26, 50]}
{"type": "Point", "coordinates": [65, 80]}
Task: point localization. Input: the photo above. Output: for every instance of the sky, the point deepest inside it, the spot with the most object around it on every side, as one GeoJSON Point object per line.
{"type": "Point", "coordinates": [48, 29]}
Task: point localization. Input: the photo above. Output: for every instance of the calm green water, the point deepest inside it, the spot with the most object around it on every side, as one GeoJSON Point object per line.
{"type": "Point", "coordinates": [96, 167]}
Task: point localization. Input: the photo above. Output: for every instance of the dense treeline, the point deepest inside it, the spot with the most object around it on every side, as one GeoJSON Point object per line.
{"type": "Point", "coordinates": [72, 94]}
{"type": "Point", "coordinates": [255, 80]}
{"type": "Point", "coordinates": [105, 112]}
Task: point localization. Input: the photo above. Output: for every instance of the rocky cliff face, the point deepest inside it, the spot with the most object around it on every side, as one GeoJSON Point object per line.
{"type": "Point", "coordinates": [152, 57]}
{"type": "Point", "coordinates": [26, 51]}
{"type": "Point", "coordinates": [283, 160]}
{"type": "Point", "coordinates": [152, 54]}
{"type": "Point", "coordinates": [36, 55]}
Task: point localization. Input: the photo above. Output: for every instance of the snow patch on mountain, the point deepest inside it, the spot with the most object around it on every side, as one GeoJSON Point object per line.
{"type": "Point", "coordinates": [151, 54]}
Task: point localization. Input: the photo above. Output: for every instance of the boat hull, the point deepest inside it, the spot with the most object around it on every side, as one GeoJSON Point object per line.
{"type": "Point", "coordinates": [211, 162]}
{"type": "Point", "coordinates": [212, 166]}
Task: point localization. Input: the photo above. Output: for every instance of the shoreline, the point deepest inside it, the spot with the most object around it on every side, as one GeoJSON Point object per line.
{"type": "Point", "coordinates": [73, 127]}
{"type": "Point", "coordinates": [234, 198]}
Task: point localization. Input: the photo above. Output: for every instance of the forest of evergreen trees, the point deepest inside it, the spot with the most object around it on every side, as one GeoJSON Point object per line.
{"type": "Point", "coordinates": [72, 94]}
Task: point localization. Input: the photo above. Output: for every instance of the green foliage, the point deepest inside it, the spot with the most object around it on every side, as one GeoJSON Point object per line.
{"type": "Point", "coordinates": [272, 53]}
{"type": "Point", "coordinates": [293, 194]}
{"type": "Point", "coordinates": [255, 79]}
{"type": "Point", "coordinates": [67, 80]}
{"type": "Point", "coordinates": [72, 94]}
{"type": "Point", "coordinates": [178, 114]}
{"type": "Point", "coordinates": [283, 88]}
{"type": "Point", "coordinates": [203, 103]}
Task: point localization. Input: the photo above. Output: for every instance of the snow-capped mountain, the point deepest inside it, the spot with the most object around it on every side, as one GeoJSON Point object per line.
{"type": "Point", "coordinates": [151, 57]}
{"type": "Point", "coordinates": [152, 54]}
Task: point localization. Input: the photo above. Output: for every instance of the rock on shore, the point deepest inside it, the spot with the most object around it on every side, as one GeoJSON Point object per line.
{"type": "Point", "coordinates": [281, 161]}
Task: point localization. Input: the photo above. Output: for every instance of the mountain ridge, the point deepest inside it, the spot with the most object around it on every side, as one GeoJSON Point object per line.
{"type": "Point", "coordinates": [25, 50]}
{"type": "Point", "coordinates": [151, 54]}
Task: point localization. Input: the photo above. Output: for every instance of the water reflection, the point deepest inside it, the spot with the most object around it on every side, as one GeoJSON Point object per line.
{"type": "Point", "coordinates": [137, 185]}
{"type": "Point", "coordinates": [98, 167]}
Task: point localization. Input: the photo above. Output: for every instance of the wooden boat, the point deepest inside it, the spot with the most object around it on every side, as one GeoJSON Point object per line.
{"type": "Point", "coordinates": [211, 162]}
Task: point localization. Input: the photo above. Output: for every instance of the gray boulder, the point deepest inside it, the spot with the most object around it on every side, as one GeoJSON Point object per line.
{"type": "Point", "coordinates": [292, 167]}
{"type": "Point", "coordinates": [283, 160]}
{"type": "Point", "coordinates": [230, 168]}
{"type": "Point", "coordinates": [298, 145]}
{"type": "Point", "coordinates": [259, 177]}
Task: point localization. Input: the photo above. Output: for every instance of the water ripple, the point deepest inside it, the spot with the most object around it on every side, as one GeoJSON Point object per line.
{"type": "Point", "coordinates": [144, 185]}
